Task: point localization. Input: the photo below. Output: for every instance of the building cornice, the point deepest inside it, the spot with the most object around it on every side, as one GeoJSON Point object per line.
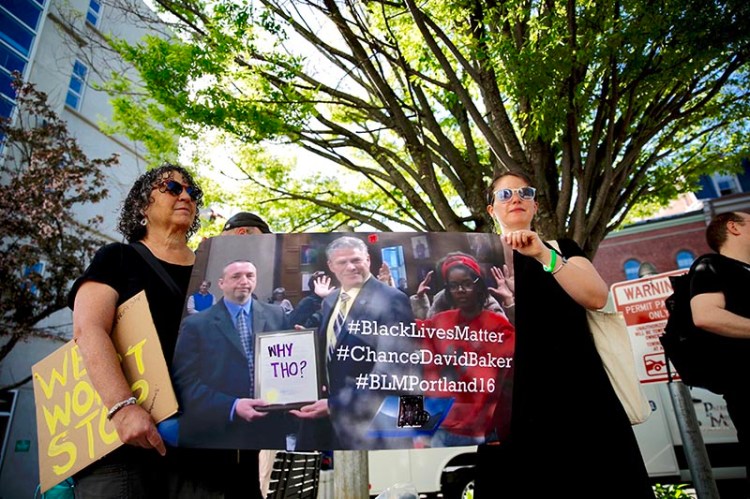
{"type": "Point", "coordinates": [652, 225]}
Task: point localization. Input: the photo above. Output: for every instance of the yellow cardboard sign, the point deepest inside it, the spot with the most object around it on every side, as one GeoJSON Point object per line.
{"type": "Point", "coordinates": [72, 426]}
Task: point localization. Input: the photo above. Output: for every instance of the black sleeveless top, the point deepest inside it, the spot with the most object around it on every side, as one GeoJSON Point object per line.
{"type": "Point", "coordinates": [120, 267]}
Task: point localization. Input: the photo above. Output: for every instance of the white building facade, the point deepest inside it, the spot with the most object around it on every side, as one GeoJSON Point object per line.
{"type": "Point", "coordinates": [50, 43]}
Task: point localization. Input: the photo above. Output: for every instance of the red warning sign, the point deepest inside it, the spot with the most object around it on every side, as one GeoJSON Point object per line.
{"type": "Point", "coordinates": [641, 302]}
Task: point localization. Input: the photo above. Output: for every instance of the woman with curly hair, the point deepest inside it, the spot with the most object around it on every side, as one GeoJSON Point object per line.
{"type": "Point", "coordinates": [159, 214]}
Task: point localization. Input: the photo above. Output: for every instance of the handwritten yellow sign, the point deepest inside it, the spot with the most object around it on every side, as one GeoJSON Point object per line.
{"type": "Point", "coordinates": [72, 426]}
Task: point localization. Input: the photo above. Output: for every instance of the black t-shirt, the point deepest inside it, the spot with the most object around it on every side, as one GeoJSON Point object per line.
{"type": "Point", "coordinates": [120, 267]}
{"type": "Point", "coordinates": [562, 396]}
{"type": "Point", "coordinates": [716, 273]}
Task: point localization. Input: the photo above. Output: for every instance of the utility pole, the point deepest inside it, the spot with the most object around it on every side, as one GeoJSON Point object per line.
{"type": "Point", "coordinates": [682, 400]}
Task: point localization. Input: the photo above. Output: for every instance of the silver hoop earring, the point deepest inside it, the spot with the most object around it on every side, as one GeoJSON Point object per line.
{"type": "Point", "coordinates": [144, 221]}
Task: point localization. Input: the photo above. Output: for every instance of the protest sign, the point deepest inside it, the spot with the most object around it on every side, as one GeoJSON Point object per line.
{"type": "Point", "coordinates": [286, 374]}
{"type": "Point", "coordinates": [72, 426]}
{"type": "Point", "coordinates": [380, 368]}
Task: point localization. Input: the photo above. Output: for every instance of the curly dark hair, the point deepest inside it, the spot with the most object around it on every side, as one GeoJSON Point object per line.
{"type": "Point", "coordinates": [139, 198]}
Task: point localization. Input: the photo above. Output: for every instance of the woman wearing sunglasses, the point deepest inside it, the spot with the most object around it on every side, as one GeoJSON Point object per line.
{"type": "Point", "coordinates": [158, 216]}
{"type": "Point", "coordinates": [566, 418]}
{"type": "Point", "coordinates": [470, 418]}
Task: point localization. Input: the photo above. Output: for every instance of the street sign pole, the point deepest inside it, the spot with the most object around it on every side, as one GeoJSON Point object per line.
{"type": "Point", "coordinates": [350, 478]}
{"type": "Point", "coordinates": [692, 441]}
{"type": "Point", "coordinates": [641, 302]}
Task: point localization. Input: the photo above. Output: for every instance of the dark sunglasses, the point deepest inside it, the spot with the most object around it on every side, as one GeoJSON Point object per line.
{"type": "Point", "coordinates": [175, 188]}
{"type": "Point", "coordinates": [525, 193]}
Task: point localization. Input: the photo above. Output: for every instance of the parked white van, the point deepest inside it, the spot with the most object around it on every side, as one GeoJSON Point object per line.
{"type": "Point", "coordinates": [450, 470]}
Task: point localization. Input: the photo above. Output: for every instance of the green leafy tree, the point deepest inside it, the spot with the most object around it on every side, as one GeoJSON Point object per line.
{"type": "Point", "coordinates": [605, 103]}
{"type": "Point", "coordinates": [44, 178]}
{"type": "Point", "coordinates": [671, 491]}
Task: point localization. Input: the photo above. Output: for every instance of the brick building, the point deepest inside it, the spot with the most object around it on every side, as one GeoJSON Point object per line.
{"type": "Point", "coordinates": [675, 238]}
{"type": "Point", "coordinates": [667, 244]}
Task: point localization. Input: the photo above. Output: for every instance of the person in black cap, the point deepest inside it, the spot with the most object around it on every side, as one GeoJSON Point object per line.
{"type": "Point", "coordinates": [245, 223]}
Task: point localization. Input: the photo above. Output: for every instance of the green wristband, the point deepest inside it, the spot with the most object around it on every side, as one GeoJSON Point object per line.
{"type": "Point", "coordinates": [552, 262]}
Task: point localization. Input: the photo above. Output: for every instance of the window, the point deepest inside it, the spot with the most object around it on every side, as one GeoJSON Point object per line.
{"type": "Point", "coordinates": [19, 21]}
{"type": "Point", "coordinates": [77, 84]}
{"type": "Point", "coordinates": [28, 12]}
{"type": "Point", "coordinates": [684, 259]}
{"type": "Point", "coordinates": [6, 107]}
{"type": "Point", "coordinates": [6, 90]}
{"type": "Point", "coordinates": [10, 61]}
{"type": "Point", "coordinates": [36, 270]}
{"type": "Point", "coordinates": [15, 34]}
{"type": "Point", "coordinates": [726, 183]}
{"type": "Point", "coordinates": [394, 257]}
{"type": "Point", "coordinates": [7, 407]}
{"type": "Point", "coordinates": [95, 10]}
{"type": "Point", "coordinates": [631, 268]}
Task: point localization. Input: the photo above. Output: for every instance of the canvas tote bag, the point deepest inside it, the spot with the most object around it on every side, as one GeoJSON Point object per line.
{"type": "Point", "coordinates": [613, 344]}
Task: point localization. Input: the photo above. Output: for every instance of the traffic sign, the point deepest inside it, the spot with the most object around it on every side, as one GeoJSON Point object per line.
{"type": "Point", "coordinates": [641, 302]}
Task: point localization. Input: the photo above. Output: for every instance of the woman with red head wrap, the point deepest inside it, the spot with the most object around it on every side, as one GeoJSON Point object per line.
{"type": "Point", "coordinates": [472, 357]}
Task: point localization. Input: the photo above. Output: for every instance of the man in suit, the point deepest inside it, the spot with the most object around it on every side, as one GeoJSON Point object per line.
{"type": "Point", "coordinates": [361, 301]}
{"type": "Point", "coordinates": [214, 371]}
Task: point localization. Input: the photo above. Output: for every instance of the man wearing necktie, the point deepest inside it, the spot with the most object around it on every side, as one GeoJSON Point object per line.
{"type": "Point", "coordinates": [214, 372]}
{"type": "Point", "coordinates": [361, 298]}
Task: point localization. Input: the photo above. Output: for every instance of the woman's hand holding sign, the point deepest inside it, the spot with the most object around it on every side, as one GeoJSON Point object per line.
{"type": "Point", "coordinates": [136, 427]}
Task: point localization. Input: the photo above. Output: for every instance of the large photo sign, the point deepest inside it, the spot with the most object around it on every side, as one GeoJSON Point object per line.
{"type": "Point", "coordinates": [72, 426]}
{"type": "Point", "coordinates": [356, 341]}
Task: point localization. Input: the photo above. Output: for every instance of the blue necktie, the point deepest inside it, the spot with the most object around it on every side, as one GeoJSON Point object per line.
{"type": "Point", "coordinates": [246, 340]}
